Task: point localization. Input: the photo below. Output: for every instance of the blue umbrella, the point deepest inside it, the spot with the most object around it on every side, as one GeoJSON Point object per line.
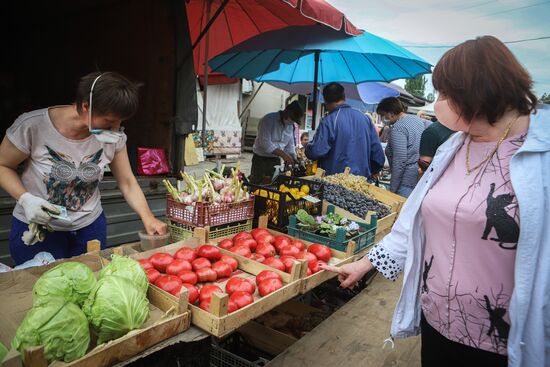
{"type": "Point", "coordinates": [319, 56]}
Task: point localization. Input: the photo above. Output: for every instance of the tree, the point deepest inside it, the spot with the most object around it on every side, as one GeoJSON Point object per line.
{"type": "Point", "coordinates": [545, 98]}
{"type": "Point", "coordinates": [416, 86]}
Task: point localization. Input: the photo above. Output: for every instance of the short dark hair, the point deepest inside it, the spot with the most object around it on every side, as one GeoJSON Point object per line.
{"type": "Point", "coordinates": [305, 133]}
{"type": "Point", "coordinates": [112, 94]}
{"type": "Point", "coordinates": [390, 105]}
{"type": "Point", "coordinates": [295, 110]}
{"type": "Point", "coordinates": [334, 92]}
{"type": "Point", "coordinates": [483, 78]}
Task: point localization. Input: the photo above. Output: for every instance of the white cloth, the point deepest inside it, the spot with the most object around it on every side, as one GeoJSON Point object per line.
{"type": "Point", "coordinates": [221, 107]}
{"type": "Point", "coordinates": [274, 134]}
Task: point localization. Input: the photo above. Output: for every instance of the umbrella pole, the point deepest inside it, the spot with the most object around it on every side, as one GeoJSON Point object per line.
{"type": "Point", "coordinates": [315, 90]}
{"type": "Point", "coordinates": [205, 87]}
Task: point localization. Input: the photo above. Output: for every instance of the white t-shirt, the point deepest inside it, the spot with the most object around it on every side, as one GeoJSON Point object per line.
{"type": "Point", "coordinates": [63, 171]}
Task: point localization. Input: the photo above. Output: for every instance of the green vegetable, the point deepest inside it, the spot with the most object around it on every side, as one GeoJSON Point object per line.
{"type": "Point", "coordinates": [3, 352]}
{"type": "Point", "coordinates": [60, 326]}
{"type": "Point", "coordinates": [115, 307]}
{"type": "Point", "coordinates": [72, 281]}
{"type": "Point", "coordinates": [130, 269]}
{"type": "Point", "coordinates": [305, 218]}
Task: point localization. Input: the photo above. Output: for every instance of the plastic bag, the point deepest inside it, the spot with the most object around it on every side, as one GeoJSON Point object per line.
{"type": "Point", "coordinates": [41, 258]}
{"type": "Point", "coordinates": [152, 161]}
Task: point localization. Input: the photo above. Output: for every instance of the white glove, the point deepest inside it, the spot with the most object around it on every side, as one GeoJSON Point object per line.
{"type": "Point", "coordinates": [36, 209]}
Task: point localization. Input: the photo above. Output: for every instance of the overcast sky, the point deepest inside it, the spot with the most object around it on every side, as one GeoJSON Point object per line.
{"type": "Point", "coordinates": [449, 22]}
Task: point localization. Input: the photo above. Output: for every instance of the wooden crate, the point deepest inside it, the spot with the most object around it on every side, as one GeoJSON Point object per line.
{"type": "Point", "coordinates": [219, 322]}
{"type": "Point", "coordinates": [167, 317]}
{"type": "Point", "coordinates": [306, 282]}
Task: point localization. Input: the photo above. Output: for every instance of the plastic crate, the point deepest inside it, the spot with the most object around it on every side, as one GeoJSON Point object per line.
{"type": "Point", "coordinates": [180, 231]}
{"type": "Point", "coordinates": [278, 205]}
{"type": "Point", "coordinates": [364, 239]}
{"type": "Point", "coordinates": [220, 357]}
{"type": "Point", "coordinates": [207, 214]}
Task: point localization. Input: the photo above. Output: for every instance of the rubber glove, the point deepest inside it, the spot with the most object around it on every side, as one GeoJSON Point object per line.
{"type": "Point", "coordinates": [36, 209]}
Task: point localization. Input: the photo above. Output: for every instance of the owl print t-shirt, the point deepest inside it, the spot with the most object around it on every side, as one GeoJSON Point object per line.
{"type": "Point", "coordinates": [63, 171]}
{"type": "Point", "coordinates": [472, 228]}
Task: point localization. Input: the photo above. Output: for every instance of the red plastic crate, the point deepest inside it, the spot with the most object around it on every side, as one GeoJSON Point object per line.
{"type": "Point", "coordinates": [206, 214]}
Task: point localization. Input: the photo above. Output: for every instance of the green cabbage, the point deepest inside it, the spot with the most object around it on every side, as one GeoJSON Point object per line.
{"type": "Point", "coordinates": [72, 281]}
{"type": "Point", "coordinates": [130, 269]}
{"type": "Point", "coordinates": [115, 307]}
{"type": "Point", "coordinates": [60, 326]}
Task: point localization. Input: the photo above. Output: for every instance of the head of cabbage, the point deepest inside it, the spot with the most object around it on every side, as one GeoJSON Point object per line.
{"type": "Point", "coordinates": [60, 326]}
{"type": "Point", "coordinates": [130, 269]}
{"type": "Point", "coordinates": [70, 280]}
{"type": "Point", "coordinates": [115, 306]}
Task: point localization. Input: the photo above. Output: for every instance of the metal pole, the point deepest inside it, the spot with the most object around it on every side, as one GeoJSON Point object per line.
{"type": "Point", "coordinates": [315, 90]}
{"type": "Point", "coordinates": [205, 86]}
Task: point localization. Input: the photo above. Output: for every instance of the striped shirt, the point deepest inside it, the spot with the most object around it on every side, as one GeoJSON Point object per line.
{"type": "Point", "coordinates": [402, 150]}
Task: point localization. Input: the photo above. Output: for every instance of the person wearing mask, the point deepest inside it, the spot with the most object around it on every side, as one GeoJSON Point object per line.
{"type": "Point", "coordinates": [65, 150]}
{"type": "Point", "coordinates": [274, 141]}
{"type": "Point", "coordinates": [473, 239]}
{"type": "Point", "coordinates": [434, 135]}
{"type": "Point", "coordinates": [345, 138]}
{"type": "Point", "coordinates": [403, 144]}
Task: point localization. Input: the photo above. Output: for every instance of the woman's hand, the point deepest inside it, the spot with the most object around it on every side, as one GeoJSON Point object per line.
{"type": "Point", "coordinates": [154, 226]}
{"type": "Point", "coordinates": [350, 274]}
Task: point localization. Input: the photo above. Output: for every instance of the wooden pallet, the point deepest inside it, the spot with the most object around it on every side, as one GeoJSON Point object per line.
{"type": "Point", "coordinates": [218, 321]}
{"type": "Point", "coordinates": [167, 318]}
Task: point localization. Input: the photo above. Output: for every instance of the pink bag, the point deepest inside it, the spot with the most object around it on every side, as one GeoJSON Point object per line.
{"type": "Point", "coordinates": [152, 161]}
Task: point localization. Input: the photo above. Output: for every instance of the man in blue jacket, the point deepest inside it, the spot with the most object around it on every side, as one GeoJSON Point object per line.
{"type": "Point", "coordinates": [345, 138]}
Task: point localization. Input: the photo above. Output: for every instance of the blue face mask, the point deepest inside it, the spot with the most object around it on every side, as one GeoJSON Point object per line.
{"type": "Point", "coordinates": [102, 135]}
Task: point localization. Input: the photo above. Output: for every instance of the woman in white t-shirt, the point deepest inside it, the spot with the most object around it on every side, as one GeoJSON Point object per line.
{"type": "Point", "coordinates": [65, 150]}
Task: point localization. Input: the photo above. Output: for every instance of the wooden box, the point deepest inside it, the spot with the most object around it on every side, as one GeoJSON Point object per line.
{"type": "Point", "coordinates": [167, 317]}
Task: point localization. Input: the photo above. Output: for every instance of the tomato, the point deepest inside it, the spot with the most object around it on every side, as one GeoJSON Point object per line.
{"type": "Point", "coordinates": [322, 252]}
{"type": "Point", "coordinates": [152, 274]}
{"type": "Point", "coordinates": [241, 250]}
{"type": "Point", "coordinates": [232, 306]}
{"type": "Point", "coordinates": [257, 257]}
{"type": "Point", "coordinates": [237, 284]}
{"type": "Point", "coordinates": [206, 275]}
{"type": "Point", "coordinates": [267, 274]}
{"type": "Point", "coordinates": [242, 299]}
{"type": "Point", "coordinates": [200, 263]}
{"type": "Point", "coordinates": [187, 276]}
{"type": "Point", "coordinates": [192, 292]}
{"type": "Point", "coordinates": [289, 250]}
{"type": "Point", "coordinates": [309, 272]}
{"type": "Point", "coordinates": [169, 283]}
{"type": "Point", "coordinates": [288, 261]}
{"type": "Point", "coordinates": [297, 243]}
{"type": "Point", "coordinates": [177, 266]}
{"type": "Point", "coordinates": [205, 305]}
{"type": "Point", "coordinates": [145, 264]}
{"type": "Point", "coordinates": [210, 252]}
{"type": "Point", "coordinates": [225, 244]}
{"type": "Point", "coordinates": [242, 235]}
{"type": "Point", "coordinates": [275, 263]}
{"type": "Point", "coordinates": [282, 241]}
{"type": "Point", "coordinates": [266, 250]}
{"type": "Point", "coordinates": [207, 290]}
{"type": "Point", "coordinates": [257, 231]}
{"type": "Point", "coordinates": [231, 261]}
{"type": "Point", "coordinates": [222, 269]}
{"type": "Point", "coordinates": [160, 260]}
{"type": "Point", "coordinates": [186, 253]}
{"type": "Point", "coordinates": [311, 259]}
{"type": "Point", "coordinates": [265, 237]}
{"type": "Point", "coordinates": [268, 286]}
{"type": "Point", "coordinates": [250, 242]}
{"type": "Point", "coordinates": [317, 267]}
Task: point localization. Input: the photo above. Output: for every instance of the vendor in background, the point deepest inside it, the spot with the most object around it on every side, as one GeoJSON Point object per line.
{"type": "Point", "coordinates": [65, 150]}
{"type": "Point", "coordinates": [275, 140]}
{"type": "Point", "coordinates": [345, 138]}
{"type": "Point", "coordinates": [300, 150]}
{"type": "Point", "coordinates": [434, 135]}
{"type": "Point", "coordinates": [403, 144]}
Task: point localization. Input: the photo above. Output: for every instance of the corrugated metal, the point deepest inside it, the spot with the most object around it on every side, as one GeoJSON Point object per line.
{"type": "Point", "coordinates": [122, 222]}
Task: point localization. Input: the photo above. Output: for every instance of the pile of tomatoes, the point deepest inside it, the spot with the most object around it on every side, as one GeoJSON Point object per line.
{"type": "Point", "coordinates": [278, 251]}
{"type": "Point", "coordinates": [198, 270]}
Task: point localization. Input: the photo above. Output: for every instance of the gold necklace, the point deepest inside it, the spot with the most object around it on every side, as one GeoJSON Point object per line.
{"type": "Point", "coordinates": [506, 132]}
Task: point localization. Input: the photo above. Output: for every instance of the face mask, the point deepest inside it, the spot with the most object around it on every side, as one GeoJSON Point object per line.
{"type": "Point", "coordinates": [448, 117]}
{"type": "Point", "coordinates": [385, 120]}
{"type": "Point", "coordinates": [102, 135]}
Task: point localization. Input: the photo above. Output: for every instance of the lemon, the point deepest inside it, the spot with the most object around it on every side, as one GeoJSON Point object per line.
{"type": "Point", "coordinates": [305, 188]}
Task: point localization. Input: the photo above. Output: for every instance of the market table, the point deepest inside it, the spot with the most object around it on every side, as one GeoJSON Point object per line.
{"type": "Point", "coordinates": [354, 334]}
